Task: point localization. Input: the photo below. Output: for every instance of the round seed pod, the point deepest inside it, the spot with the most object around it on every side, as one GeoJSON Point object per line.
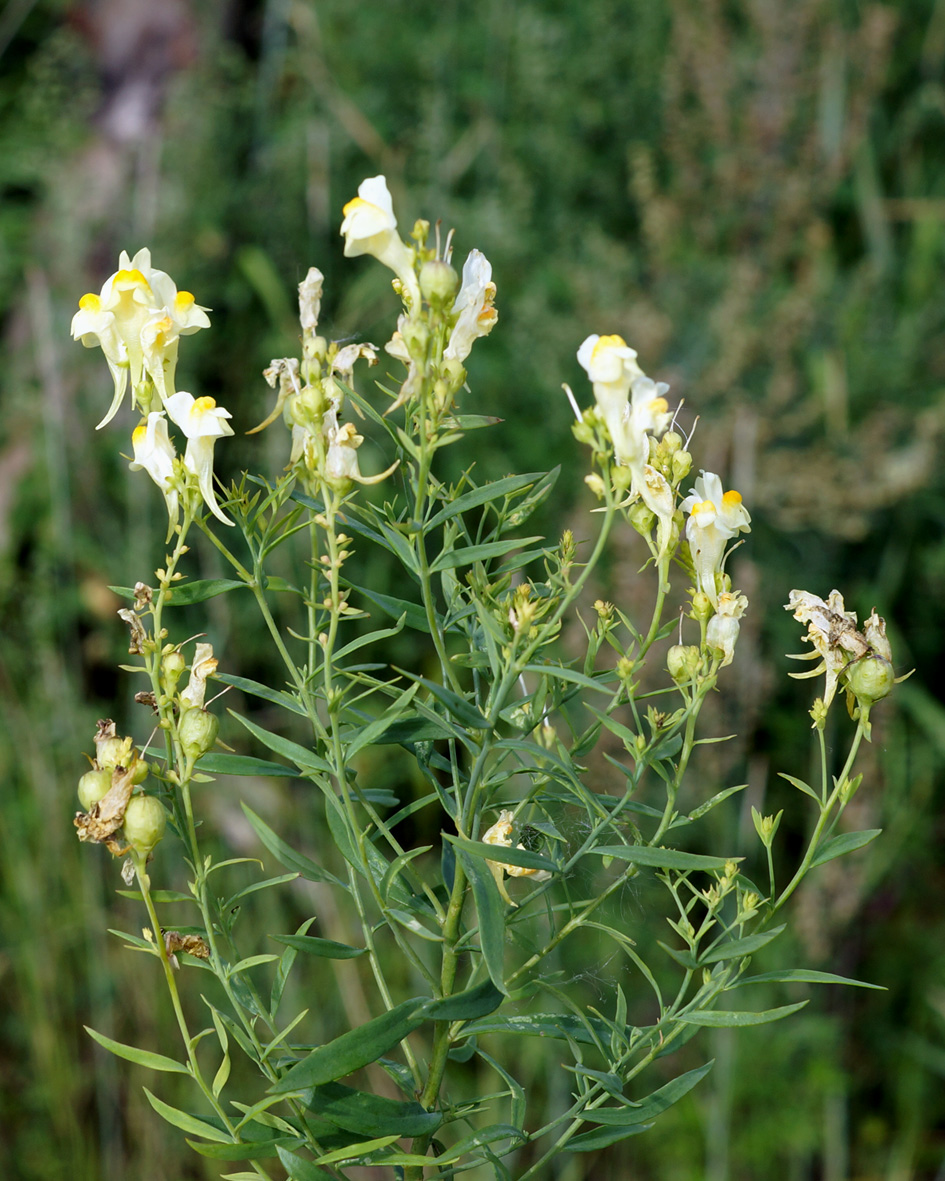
{"type": "Point", "coordinates": [144, 823]}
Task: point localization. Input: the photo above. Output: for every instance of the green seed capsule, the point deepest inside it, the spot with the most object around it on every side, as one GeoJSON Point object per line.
{"type": "Point", "coordinates": [144, 823]}
{"type": "Point", "coordinates": [92, 786]}
{"type": "Point", "coordinates": [198, 732]}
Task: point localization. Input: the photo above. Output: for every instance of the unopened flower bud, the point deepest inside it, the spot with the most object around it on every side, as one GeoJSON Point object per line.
{"type": "Point", "coordinates": [416, 335]}
{"type": "Point", "coordinates": [702, 608]}
{"type": "Point", "coordinates": [92, 786]}
{"type": "Point", "coordinates": [596, 484]}
{"type": "Point", "coordinates": [197, 732]}
{"type": "Point", "coordinates": [641, 518]}
{"type": "Point", "coordinates": [870, 679]}
{"type": "Point", "coordinates": [144, 823]}
{"type": "Point", "coordinates": [681, 465]}
{"type": "Point", "coordinates": [621, 478]}
{"type": "Point", "coordinates": [682, 661]}
{"type": "Point", "coordinates": [438, 282]}
{"type": "Point", "coordinates": [172, 666]}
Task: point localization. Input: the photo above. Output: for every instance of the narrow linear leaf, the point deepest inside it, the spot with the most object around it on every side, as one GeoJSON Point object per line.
{"type": "Point", "coordinates": [298, 1168]}
{"type": "Point", "coordinates": [479, 1001]}
{"type": "Point", "coordinates": [562, 673]}
{"type": "Point", "coordinates": [276, 696]}
{"type": "Point", "coordinates": [287, 856]}
{"type": "Point", "coordinates": [327, 948]}
{"type": "Point", "coordinates": [653, 1105]}
{"type": "Point", "coordinates": [739, 947]}
{"type": "Point", "coordinates": [186, 1122]}
{"type": "Point", "coordinates": [662, 858]}
{"type": "Point", "coordinates": [484, 495]}
{"type": "Point", "coordinates": [413, 613]}
{"type": "Point", "coordinates": [355, 1151]}
{"type": "Point", "coordinates": [805, 976]}
{"type": "Point", "coordinates": [133, 1054]}
{"type": "Point", "coordinates": [721, 1019]}
{"type": "Point", "coordinates": [491, 911]}
{"type": "Point", "coordinates": [502, 854]}
{"type": "Point", "coordinates": [251, 1150]}
{"type": "Point", "coordinates": [846, 842]}
{"type": "Point", "coordinates": [545, 1025]}
{"type": "Point", "coordinates": [370, 1115]}
{"type": "Point", "coordinates": [800, 785]}
{"type": "Point", "coordinates": [300, 755]}
{"type": "Point", "coordinates": [450, 559]}
{"type": "Point", "coordinates": [354, 1049]}
{"type": "Point", "coordinates": [463, 711]}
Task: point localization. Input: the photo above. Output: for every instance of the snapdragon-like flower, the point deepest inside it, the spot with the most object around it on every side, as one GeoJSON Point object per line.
{"type": "Point", "coordinates": [476, 315]}
{"type": "Point", "coordinates": [154, 452]}
{"type": "Point", "coordinates": [137, 320]}
{"type": "Point", "coordinates": [370, 227]}
{"type": "Point", "coordinates": [722, 629]}
{"type": "Point", "coordinates": [633, 408]}
{"type": "Point", "coordinates": [341, 461]}
{"type": "Point", "coordinates": [714, 519]}
{"type": "Point", "coordinates": [203, 422]}
{"type": "Point", "coordinates": [501, 834]}
{"type": "Point", "coordinates": [204, 665]}
{"type": "Point", "coordinates": [832, 631]}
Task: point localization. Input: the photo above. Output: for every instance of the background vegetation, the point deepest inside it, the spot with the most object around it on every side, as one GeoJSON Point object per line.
{"type": "Point", "coordinates": [752, 193]}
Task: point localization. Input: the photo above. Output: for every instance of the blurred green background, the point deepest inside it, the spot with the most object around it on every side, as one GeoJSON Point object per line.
{"type": "Point", "coordinates": [752, 192]}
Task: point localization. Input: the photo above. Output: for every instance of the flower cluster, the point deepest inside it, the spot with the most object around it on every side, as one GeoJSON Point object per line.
{"type": "Point", "coordinates": [138, 320]}
{"type": "Point", "coordinates": [859, 661]}
{"type": "Point", "coordinates": [636, 417]}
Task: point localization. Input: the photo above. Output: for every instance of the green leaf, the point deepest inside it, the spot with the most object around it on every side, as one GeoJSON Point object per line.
{"type": "Point", "coordinates": [355, 1151]}
{"type": "Point", "coordinates": [845, 843]}
{"type": "Point", "coordinates": [562, 673]}
{"type": "Point", "coordinates": [720, 1019]}
{"type": "Point", "coordinates": [662, 858]}
{"type": "Point", "coordinates": [300, 755]}
{"type": "Point", "coordinates": [256, 689]}
{"type": "Point", "coordinates": [629, 1120]}
{"type": "Point", "coordinates": [287, 856]}
{"type": "Point", "coordinates": [189, 592]}
{"type": "Point", "coordinates": [483, 495]}
{"type": "Point", "coordinates": [739, 947]}
{"type": "Point", "coordinates": [133, 1054]}
{"type": "Point", "coordinates": [187, 1123]}
{"type": "Point", "coordinates": [370, 1115]}
{"type": "Point", "coordinates": [354, 1049]}
{"type": "Point", "coordinates": [463, 711]}
{"type": "Point", "coordinates": [415, 615]}
{"type": "Point", "coordinates": [298, 1168]}
{"type": "Point", "coordinates": [502, 854]}
{"type": "Point", "coordinates": [373, 637]}
{"type": "Point", "coordinates": [804, 976]}
{"type": "Point", "coordinates": [366, 735]}
{"type": "Point", "coordinates": [327, 948]}
{"type": "Point", "coordinates": [250, 1150]}
{"type": "Point", "coordinates": [491, 911]}
{"type": "Point", "coordinates": [701, 811]}
{"type": "Point", "coordinates": [801, 786]}
{"type": "Point", "coordinates": [479, 1001]}
{"type": "Point", "coordinates": [556, 1025]}
{"type": "Point", "coordinates": [450, 559]}
{"type": "Point", "coordinates": [220, 764]}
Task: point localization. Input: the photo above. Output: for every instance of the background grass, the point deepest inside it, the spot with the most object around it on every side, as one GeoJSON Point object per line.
{"type": "Point", "coordinates": [753, 194]}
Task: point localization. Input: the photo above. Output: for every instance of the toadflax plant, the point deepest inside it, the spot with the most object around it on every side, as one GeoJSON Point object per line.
{"type": "Point", "coordinates": [458, 942]}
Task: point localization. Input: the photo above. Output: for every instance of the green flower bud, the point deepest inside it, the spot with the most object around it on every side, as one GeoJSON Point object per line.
{"type": "Point", "coordinates": [144, 823]}
{"type": "Point", "coordinates": [671, 442]}
{"type": "Point", "coordinates": [416, 336]}
{"type": "Point", "coordinates": [438, 282]}
{"type": "Point", "coordinates": [681, 465]}
{"type": "Point", "coordinates": [139, 772]}
{"type": "Point", "coordinates": [92, 786]}
{"type": "Point", "coordinates": [641, 518]}
{"type": "Point", "coordinates": [197, 732]}
{"type": "Point", "coordinates": [452, 373]}
{"type": "Point", "coordinates": [172, 667]}
{"type": "Point", "coordinates": [702, 608]}
{"type": "Point", "coordinates": [682, 661]}
{"type": "Point", "coordinates": [870, 679]}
